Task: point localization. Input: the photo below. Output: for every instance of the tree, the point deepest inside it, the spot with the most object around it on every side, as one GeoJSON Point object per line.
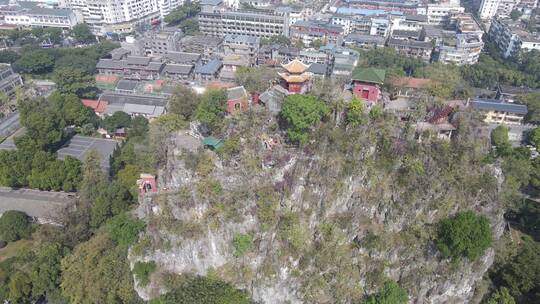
{"type": "Point", "coordinates": [464, 235]}
{"type": "Point", "coordinates": [533, 103]}
{"type": "Point", "coordinates": [211, 108]}
{"type": "Point", "coordinates": [124, 230]}
{"type": "Point", "coordinates": [45, 270]}
{"type": "Point", "coordinates": [301, 113]}
{"type": "Point", "coordinates": [499, 136]}
{"type": "Point", "coordinates": [15, 225]}
{"type": "Point", "coordinates": [82, 33]}
{"type": "Point", "coordinates": [189, 9]}
{"type": "Point", "coordinates": [35, 62]}
{"type": "Point", "coordinates": [281, 40]}
{"type": "Point", "coordinates": [74, 61]}
{"type": "Point", "coordinates": [534, 137]}
{"type": "Point", "coordinates": [515, 14]}
{"type": "Point", "coordinates": [75, 81]}
{"type": "Point", "coordinates": [139, 127]}
{"type": "Point", "coordinates": [355, 113]}
{"type": "Point", "coordinates": [117, 120]}
{"type": "Point", "coordinates": [255, 79]}
{"type": "Point", "coordinates": [316, 44]}
{"type": "Point", "coordinates": [391, 293]}
{"type": "Point", "coordinates": [501, 296]}
{"type": "Point", "coordinates": [183, 101]}
{"type": "Point", "coordinates": [189, 26]}
{"type": "Point", "coordinates": [111, 200]}
{"type": "Point", "coordinates": [8, 56]}
{"type": "Point", "coordinates": [70, 109]}
{"type": "Point", "coordinates": [521, 275]}
{"type": "Point", "coordinates": [97, 272]}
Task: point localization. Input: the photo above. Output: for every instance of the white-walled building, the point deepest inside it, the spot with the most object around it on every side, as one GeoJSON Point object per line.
{"type": "Point", "coordinates": [510, 37]}
{"type": "Point", "coordinates": [438, 13]}
{"type": "Point", "coordinates": [31, 14]}
{"type": "Point", "coordinates": [120, 16]}
{"type": "Point", "coordinates": [488, 9]}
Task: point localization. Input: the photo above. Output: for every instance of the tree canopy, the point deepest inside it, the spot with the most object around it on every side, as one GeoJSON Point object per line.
{"type": "Point", "coordinates": [14, 225]}
{"type": "Point", "coordinates": [211, 108]}
{"type": "Point", "coordinates": [465, 235]}
{"type": "Point", "coordinates": [82, 33]}
{"type": "Point", "coordinates": [301, 113]}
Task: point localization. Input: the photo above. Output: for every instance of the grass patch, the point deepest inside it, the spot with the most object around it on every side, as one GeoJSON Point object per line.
{"type": "Point", "coordinates": [13, 248]}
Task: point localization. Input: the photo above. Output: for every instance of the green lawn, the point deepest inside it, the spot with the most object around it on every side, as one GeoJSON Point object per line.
{"type": "Point", "coordinates": [13, 248]}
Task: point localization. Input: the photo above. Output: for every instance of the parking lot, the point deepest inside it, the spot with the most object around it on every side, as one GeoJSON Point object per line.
{"type": "Point", "coordinates": [79, 146]}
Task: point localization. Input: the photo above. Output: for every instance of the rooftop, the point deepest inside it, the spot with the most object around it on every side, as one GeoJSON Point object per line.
{"type": "Point", "coordinates": [295, 66]}
{"type": "Point", "coordinates": [370, 75]}
{"type": "Point", "coordinates": [79, 146]}
{"type": "Point", "coordinates": [498, 105]}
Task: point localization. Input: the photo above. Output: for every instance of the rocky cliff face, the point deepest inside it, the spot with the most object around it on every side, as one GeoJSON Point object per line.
{"type": "Point", "coordinates": [328, 223]}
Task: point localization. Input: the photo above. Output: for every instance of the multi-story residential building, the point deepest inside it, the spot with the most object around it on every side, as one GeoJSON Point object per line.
{"type": "Point", "coordinates": [131, 67]}
{"type": "Point", "coordinates": [166, 6]}
{"type": "Point", "coordinates": [216, 20]}
{"type": "Point", "coordinates": [488, 9]}
{"type": "Point", "coordinates": [9, 80]}
{"type": "Point", "coordinates": [500, 8]}
{"type": "Point", "coordinates": [511, 37]}
{"type": "Point", "coordinates": [242, 45]}
{"type": "Point", "coordinates": [363, 41]}
{"type": "Point", "coordinates": [32, 14]}
{"type": "Point", "coordinates": [418, 49]}
{"type": "Point", "coordinates": [464, 49]}
{"type": "Point", "coordinates": [438, 13]}
{"type": "Point", "coordinates": [408, 22]}
{"type": "Point", "coordinates": [309, 31]}
{"type": "Point", "coordinates": [207, 46]}
{"type": "Point", "coordinates": [116, 16]}
{"type": "Point", "coordinates": [159, 43]}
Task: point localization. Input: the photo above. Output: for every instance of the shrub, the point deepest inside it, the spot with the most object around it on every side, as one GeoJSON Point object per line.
{"type": "Point", "coordinates": [14, 225]}
{"type": "Point", "coordinates": [465, 235]}
{"type": "Point", "coordinates": [391, 293]}
{"type": "Point", "coordinates": [125, 230]}
{"type": "Point", "coordinates": [143, 270]}
{"type": "Point", "coordinates": [242, 244]}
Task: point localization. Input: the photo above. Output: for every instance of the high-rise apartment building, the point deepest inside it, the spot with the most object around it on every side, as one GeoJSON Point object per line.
{"type": "Point", "coordinates": [121, 16]}
{"type": "Point", "coordinates": [220, 21]}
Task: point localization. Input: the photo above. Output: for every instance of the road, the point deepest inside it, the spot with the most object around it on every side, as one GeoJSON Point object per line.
{"type": "Point", "coordinates": [9, 125]}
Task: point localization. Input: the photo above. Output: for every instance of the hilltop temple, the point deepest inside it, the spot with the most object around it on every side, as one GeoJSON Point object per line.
{"type": "Point", "coordinates": [295, 78]}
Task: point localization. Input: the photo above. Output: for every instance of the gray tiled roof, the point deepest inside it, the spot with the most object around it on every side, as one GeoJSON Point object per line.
{"type": "Point", "coordinates": [210, 68]}
{"type": "Point", "coordinates": [241, 39]}
{"type": "Point", "coordinates": [138, 60]}
{"type": "Point", "coordinates": [119, 98]}
{"type": "Point", "coordinates": [111, 64]}
{"type": "Point", "coordinates": [498, 105]}
{"type": "Point", "coordinates": [183, 57]}
{"type": "Point", "coordinates": [178, 69]}
{"type": "Point", "coordinates": [236, 93]}
{"type": "Point", "coordinates": [317, 68]}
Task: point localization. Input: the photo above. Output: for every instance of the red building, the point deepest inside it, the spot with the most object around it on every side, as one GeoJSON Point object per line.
{"type": "Point", "coordinates": [237, 100]}
{"type": "Point", "coordinates": [295, 79]}
{"type": "Point", "coordinates": [367, 82]}
{"type": "Point", "coordinates": [147, 183]}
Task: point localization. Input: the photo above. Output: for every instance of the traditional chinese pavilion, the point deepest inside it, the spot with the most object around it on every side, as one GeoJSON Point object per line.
{"type": "Point", "coordinates": [296, 78]}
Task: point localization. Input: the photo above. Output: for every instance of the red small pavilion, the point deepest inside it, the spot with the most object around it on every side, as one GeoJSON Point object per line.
{"type": "Point", "coordinates": [295, 79]}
